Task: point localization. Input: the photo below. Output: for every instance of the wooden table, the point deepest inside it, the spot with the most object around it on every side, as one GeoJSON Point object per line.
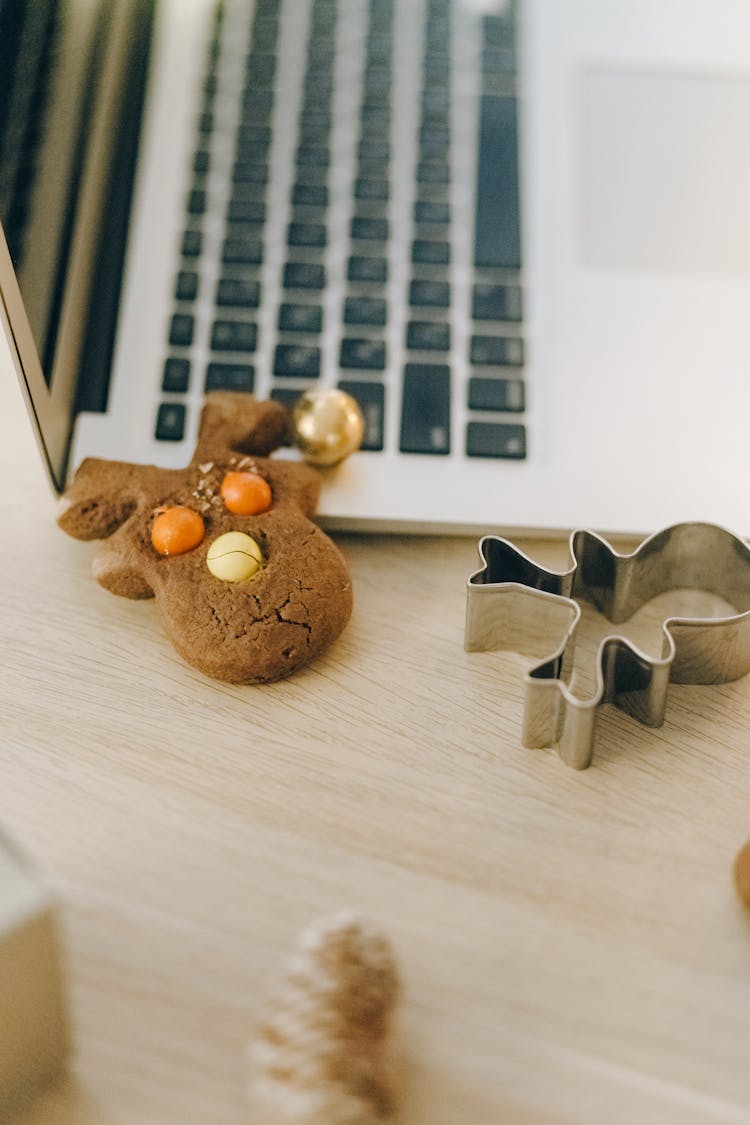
{"type": "Point", "coordinates": [571, 945]}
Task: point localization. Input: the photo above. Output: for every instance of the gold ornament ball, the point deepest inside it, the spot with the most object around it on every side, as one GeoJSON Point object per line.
{"type": "Point", "coordinates": [327, 426]}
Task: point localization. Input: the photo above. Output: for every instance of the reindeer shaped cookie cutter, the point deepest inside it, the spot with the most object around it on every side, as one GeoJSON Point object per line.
{"type": "Point", "coordinates": [514, 604]}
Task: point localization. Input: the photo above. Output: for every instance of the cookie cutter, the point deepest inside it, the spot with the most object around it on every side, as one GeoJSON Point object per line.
{"type": "Point", "coordinates": [515, 604]}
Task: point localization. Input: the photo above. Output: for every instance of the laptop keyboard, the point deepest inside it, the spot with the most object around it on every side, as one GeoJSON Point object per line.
{"type": "Point", "coordinates": [328, 239]}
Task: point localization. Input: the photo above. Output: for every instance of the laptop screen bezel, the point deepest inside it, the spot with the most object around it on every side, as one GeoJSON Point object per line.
{"type": "Point", "coordinates": [51, 414]}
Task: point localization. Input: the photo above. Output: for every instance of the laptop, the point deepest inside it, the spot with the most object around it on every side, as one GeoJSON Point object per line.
{"type": "Point", "coordinates": [517, 234]}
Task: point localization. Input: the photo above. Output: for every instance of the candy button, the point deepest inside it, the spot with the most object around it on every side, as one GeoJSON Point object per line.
{"type": "Point", "coordinates": [246, 494]}
{"type": "Point", "coordinates": [177, 530]}
{"type": "Point", "coordinates": [233, 557]}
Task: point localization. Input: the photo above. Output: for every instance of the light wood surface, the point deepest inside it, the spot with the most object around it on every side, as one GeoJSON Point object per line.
{"type": "Point", "coordinates": [571, 946]}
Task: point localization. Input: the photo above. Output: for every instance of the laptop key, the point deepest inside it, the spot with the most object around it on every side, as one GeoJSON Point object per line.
{"type": "Point", "coordinates": [369, 229]}
{"type": "Point", "coordinates": [379, 48]}
{"type": "Point", "coordinates": [376, 122]}
{"type": "Point", "coordinates": [300, 318]}
{"type": "Point", "coordinates": [367, 269]}
{"type": "Point", "coordinates": [434, 294]}
{"type": "Point", "coordinates": [371, 400]}
{"type": "Point", "coordinates": [186, 285]}
{"type": "Point", "coordinates": [300, 362]}
{"type": "Point", "coordinates": [234, 336]}
{"type": "Point", "coordinates": [314, 133]}
{"type": "Point", "coordinates": [498, 60]}
{"type": "Point", "coordinates": [265, 35]}
{"type": "Point", "coordinates": [176, 375]}
{"type": "Point", "coordinates": [501, 351]}
{"type": "Point", "coordinates": [437, 70]}
{"type": "Point", "coordinates": [250, 172]}
{"type": "Point", "coordinates": [201, 162]}
{"type": "Point", "coordinates": [170, 422]}
{"type": "Point", "coordinates": [238, 292]}
{"type": "Point", "coordinates": [496, 302]}
{"type": "Point", "coordinates": [428, 335]}
{"type": "Point", "coordinates": [261, 69]}
{"type": "Point", "coordinates": [498, 31]}
{"type": "Point", "coordinates": [316, 117]}
{"type": "Point", "coordinates": [371, 168]}
{"type": "Point", "coordinates": [192, 244]}
{"type": "Point", "coordinates": [318, 88]}
{"type": "Point", "coordinates": [196, 203]}
{"type": "Point", "coordinates": [306, 234]}
{"type": "Point", "coordinates": [374, 191]}
{"type": "Point", "coordinates": [371, 149]}
{"type": "Point", "coordinates": [229, 377]}
{"type": "Point", "coordinates": [310, 195]}
{"type": "Point", "coordinates": [362, 354]}
{"type": "Point", "coordinates": [246, 210]}
{"type": "Point", "coordinates": [257, 106]}
{"type": "Point", "coordinates": [256, 113]}
{"type": "Point", "coordinates": [314, 174]}
{"type": "Point", "coordinates": [365, 310]}
{"type": "Point", "coordinates": [433, 173]}
{"type": "Point", "coordinates": [496, 439]}
{"type": "Point", "coordinates": [434, 152]}
{"type": "Point", "coordinates": [312, 156]}
{"type": "Point", "coordinates": [254, 137]}
{"type": "Point", "coordinates": [425, 409]}
{"type": "Point", "coordinates": [377, 77]}
{"type": "Point", "coordinates": [496, 394]}
{"type": "Point", "coordinates": [286, 396]}
{"type": "Point", "coordinates": [248, 150]}
{"type": "Point", "coordinates": [434, 134]}
{"type": "Point", "coordinates": [427, 251]}
{"type": "Point", "coordinates": [181, 328]}
{"type": "Point", "coordinates": [497, 233]}
{"type": "Point", "coordinates": [436, 102]}
{"type": "Point", "coordinates": [431, 211]}
{"type": "Point", "coordinates": [242, 251]}
{"type": "Point", "coordinates": [304, 275]}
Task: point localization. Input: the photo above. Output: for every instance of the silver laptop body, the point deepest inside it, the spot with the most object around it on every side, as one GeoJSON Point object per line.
{"type": "Point", "coordinates": [519, 235]}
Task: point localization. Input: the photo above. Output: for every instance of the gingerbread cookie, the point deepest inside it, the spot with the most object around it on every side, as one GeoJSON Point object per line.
{"type": "Point", "coordinates": [248, 588]}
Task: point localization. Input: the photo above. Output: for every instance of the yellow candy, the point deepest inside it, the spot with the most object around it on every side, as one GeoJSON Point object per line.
{"type": "Point", "coordinates": [177, 530]}
{"type": "Point", "coordinates": [233, 557]}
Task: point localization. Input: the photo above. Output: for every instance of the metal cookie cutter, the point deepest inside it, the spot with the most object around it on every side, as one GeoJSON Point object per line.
{"type": "Point", "coordinates": [512, 603]}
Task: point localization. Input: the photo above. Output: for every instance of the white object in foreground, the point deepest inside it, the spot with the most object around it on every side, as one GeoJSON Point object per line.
{"type": "Point", "coordinates": [33, 1026]}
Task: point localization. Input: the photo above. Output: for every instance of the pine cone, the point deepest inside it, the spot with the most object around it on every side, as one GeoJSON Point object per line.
{"type": "Point", "coordinates": [319, 1057]}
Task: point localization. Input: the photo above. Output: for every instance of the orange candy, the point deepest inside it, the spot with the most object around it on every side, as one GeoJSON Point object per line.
{"type": "Point", "coordinates": [246, 494]}
{"type": "Point", "coordinates": [177, 530]}
{"type": "Point", "coordinates": [742, 874]}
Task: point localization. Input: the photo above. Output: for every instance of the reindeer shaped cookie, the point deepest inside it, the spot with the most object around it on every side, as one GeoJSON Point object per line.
{"type": "Point", "coordinates": [248, 588]}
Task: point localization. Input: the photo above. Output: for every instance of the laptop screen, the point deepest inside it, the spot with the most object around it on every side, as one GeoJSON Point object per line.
{"type": "Point", "coordinates": [66, 66]}
{"type": "Point", "coordinates": [47, 57]}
